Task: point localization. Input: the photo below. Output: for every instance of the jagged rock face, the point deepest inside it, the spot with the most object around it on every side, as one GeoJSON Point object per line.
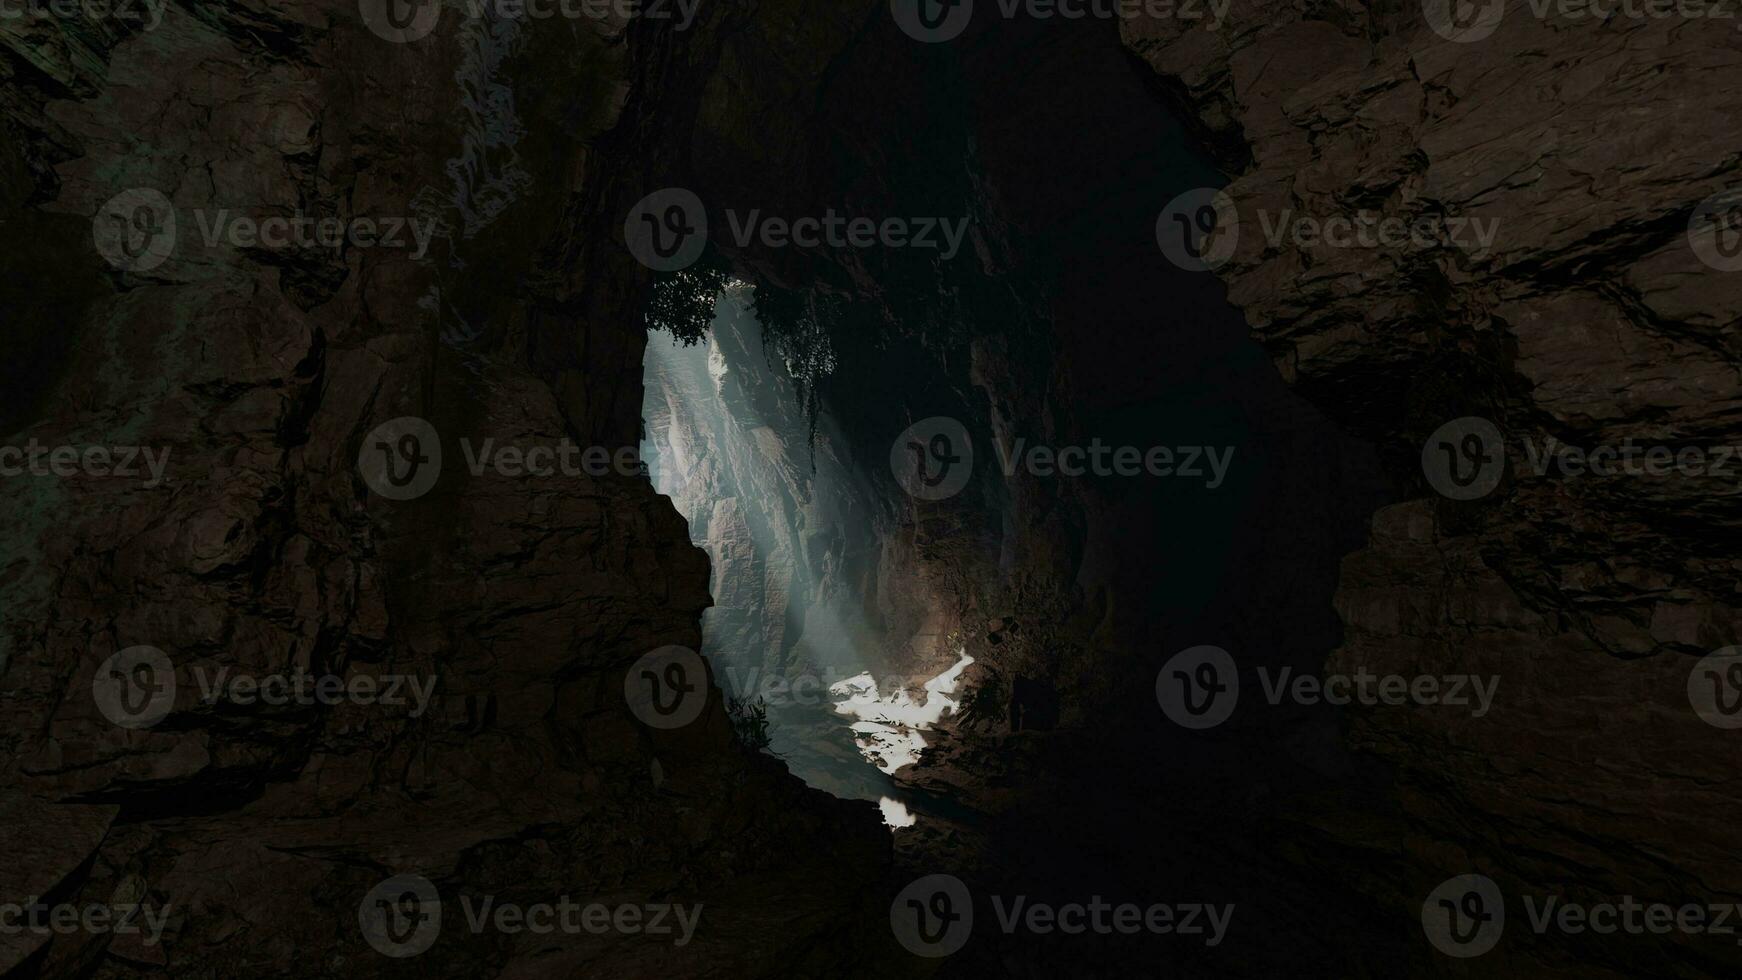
{"type": "Point", "coordinates": [1590, 320]}
{"type": "Point", "coordinates": [261, 371]}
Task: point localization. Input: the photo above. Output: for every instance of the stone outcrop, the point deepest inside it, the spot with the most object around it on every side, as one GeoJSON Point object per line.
{"type": "Point", "coordinates": [1589, 147]}
{"type": "Point", "coordinates": [263, 551]}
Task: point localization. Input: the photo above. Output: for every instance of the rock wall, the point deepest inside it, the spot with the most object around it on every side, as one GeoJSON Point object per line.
{"type": "Point", "coordinates": [262, 372]}
{"type": "Point", "coordinates": [1589, 145]}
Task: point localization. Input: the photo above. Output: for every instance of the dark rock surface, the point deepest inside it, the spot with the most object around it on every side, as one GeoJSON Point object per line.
{"type": "Point", "coordinates": [1589, 320]}
{"type": "Point", "coordinates": [263, 371]}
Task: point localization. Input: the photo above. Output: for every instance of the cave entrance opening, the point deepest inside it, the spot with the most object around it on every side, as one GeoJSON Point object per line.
{"type": "Point", "coordinates": [797, 648]}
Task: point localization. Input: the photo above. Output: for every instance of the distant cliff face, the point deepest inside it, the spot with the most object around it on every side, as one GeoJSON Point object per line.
{"type": "Point", "coordinates": [814, 576]}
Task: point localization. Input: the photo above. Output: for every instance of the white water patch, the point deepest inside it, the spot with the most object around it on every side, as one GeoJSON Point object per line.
{"type": "Point", "coordinates": [895, 814]}
{"type": "Point", "coordinates": [888, 729]}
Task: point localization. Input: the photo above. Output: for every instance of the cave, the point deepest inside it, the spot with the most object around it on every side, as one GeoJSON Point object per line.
{"type": "Point", "coordinates": [1028, 591]}
{"type": "Point", "coordinates": [892, 488]}
{"type": "Point", "coordinates": [805, 632]}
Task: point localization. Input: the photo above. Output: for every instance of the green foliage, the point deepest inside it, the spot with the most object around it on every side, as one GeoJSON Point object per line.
{"type": "Point", "coordinates": [749, 722]}
{"type": "Point", "coordinates": [682, 302]}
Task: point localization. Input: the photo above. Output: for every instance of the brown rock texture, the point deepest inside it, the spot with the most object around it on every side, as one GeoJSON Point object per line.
{"type": "Point", "coordinates": [260, 375]}
{"type": "Point", "coordinates": [261, 371]}
{"type": "Point", "coordinates": [1589, 146]}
